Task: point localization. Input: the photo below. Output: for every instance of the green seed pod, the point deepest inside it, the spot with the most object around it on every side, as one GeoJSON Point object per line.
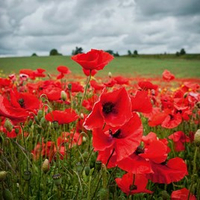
{"type": "Point", "coordinates": [7, 195]}
{"type": "Point", "coordinates": [69, 86]}
{"type": "Point", "coordinates": [27, 175]}
{"type": "Point", "coordinates": [57, 179]}
{"type": "Point", "coordinates": [85, 155]}
{"type": "Point", "coordinates": [55, 124]}
{"type": "Point", "coordinates": [98, 165]}
{"type": "Point", "coordinates": [3, 175]}
{"type": "Point", "coordinates": [197, 138]}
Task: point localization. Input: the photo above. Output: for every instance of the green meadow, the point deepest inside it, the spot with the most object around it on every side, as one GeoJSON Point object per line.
{"type": "Point", "coordinates": [124, 65]}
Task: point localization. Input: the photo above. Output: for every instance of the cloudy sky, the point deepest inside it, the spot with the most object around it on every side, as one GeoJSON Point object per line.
{"type": "Point", "coordinates": [148, 26]}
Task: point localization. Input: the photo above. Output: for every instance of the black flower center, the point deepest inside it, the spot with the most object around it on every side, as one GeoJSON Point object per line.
{"type": "Point", "coordinates": [116, 134]}
{"type": "Point", "coordinates": [139, 150]}
{"type": "Point", "coordinates": [133, 187]}
{"type": "Point", "coordinates": [108, 107]}
{"type": "Point", "coordinates": [21, 103]}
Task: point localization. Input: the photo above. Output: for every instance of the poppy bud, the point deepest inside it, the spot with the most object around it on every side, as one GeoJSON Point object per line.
{"type": "Point", "coordinates": [103, 193]}
{"type": "Point", "coordinates": [3, 175]}
{"type": "Point", "coordinates": [40, 114]}
{"type": "Point", "coordinates": [45, 166]}
{"type": "Point", "coordinates": [57, 179]}
{"type": "Point", "coordinates": [109, 74]}
{"type": "Point", "coordinates": [63, 95]}
{"type": "Point", "coordinates": [43, 122]}
{"type": "Point", "coordinates": [7, 195]}
{"type": "Point", "coordinates": [8, 125]}
{"type": "Point", "coordinates": [87, 171]}
{"type": "Point", "coordinates": [197, 138]}
{"type": "Point", "coordinates": [69, 86]}
{"type": "Point", "coordinates": [165, 195]}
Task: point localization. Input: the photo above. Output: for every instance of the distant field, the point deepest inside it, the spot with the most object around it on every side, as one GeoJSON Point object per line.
{"type": "Point", "coordinates": [127, 66]}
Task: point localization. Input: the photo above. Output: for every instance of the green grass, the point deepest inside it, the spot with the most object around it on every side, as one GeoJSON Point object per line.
{"type": "Point", "coordinates": [127, 66]}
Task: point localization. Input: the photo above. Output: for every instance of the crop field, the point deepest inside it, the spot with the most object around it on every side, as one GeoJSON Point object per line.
{"type": "Point", "coordinates": [126, 66]}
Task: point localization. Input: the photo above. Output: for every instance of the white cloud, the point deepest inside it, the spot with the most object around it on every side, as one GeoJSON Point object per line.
{"type": "Point", "coordinates": [154, 26]}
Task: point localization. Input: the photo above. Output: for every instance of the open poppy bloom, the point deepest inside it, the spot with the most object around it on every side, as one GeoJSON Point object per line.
{"type": "Point", "coordinates": [182, 194]}
{"type": "Point", "coordinates": [122, 140]}
{"type": "Point", "coordinates": [179, 138]}
{"type": "Point", "coordinates": [168, 76]}
{"type": "Point", "coordinates": [62, 117]}
{"type": "Point", "coordinates": [93, 60]}
{"type": "Point", "coordinates": [133, 183]}
{"type": "Point", "coordinates": [171, 171]}
{"type": "Point", "coordinates": [141, 102]}
{"type": "Point", "coordinates": [63, 71]}
{"type": "Point", "coordinates": [113, 108]}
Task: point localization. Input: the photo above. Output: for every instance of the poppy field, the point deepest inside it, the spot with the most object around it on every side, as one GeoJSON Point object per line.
{"type": "Point", "coordinates": [69, 136]}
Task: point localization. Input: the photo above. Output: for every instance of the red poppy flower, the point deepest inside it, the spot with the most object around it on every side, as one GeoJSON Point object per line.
{"type": "Point", "coordinates": [171, 171]}
{"type": "Point", "coordinates": [48, 150]}
{"type": "Point", "coordinates": [29, 72]}
{"type": "Point", "coordinates": [70, 138]}
{"type": "Point", "coordinates": [15, 114]}
{"type": "Point", "coordinates": [182, 194]}
{"type": "Point", "coordinates": [93, 60]}
{"type": "Point", "coordinates": [113, 108]}
{"type": "Point", "coordinates": [179, 138]}
{"type": "Point", "coordinates": [39, 72]}
{"type": "Point", "coordinates": [135, 164]}
{"type": "Point", "coordinates": [123, 140]}
{"type": "Point", "coordinates": [26, 101]}
{"type": "Point", "coordinates": [89, 72]}
{"type": "Point", "coordinates": [147, 85]}
{"type": "Point", "coordinates": [63, 70]}
{"type": "Point", "coordinates": [76, 87]}
{"type": "Point", "coordinates": [141, 102]}
{"type": "Point", "coordinates": [168, 76]}
{"type": "Point", "coordinates": [121, 80]}
{"type": "Point", "coordinates": [110, 83]}
{"type": "Point", "coordinates": [62, 117]}
{"type": "Point", "coordinates": [96, 86]}
{"type": "Point", "coordinates": [133, 183]}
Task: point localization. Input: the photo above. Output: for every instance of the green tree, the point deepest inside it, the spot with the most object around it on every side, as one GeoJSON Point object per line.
{"type": "Point", "coordinates": [34, 54]}
{"type": "Point", "coordinates": [129, 53]}
{"type": "Point", "coordinates": [53, 52]}
{"type": "Point", "coordinates": [135, 52]}
{"type": "Point", "coordinates": [182, 52]}
{"type": "Point", "coordinates": [77, 50]}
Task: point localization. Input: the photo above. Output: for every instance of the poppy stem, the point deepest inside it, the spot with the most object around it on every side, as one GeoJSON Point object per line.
{"type": "Point", "coordinates": [85, 90]}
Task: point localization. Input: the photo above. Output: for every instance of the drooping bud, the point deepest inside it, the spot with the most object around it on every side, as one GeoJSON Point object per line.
{"type": "Point", "coordinates": [109, 74]}
{"type": "Point", "coordinates": [45, 166]}
{"type": "Point", "coordinates": [63, 95]}
{"type": "Point", "coordinates": [197, 138]}
{"type": "Point", "coordinates": [8, 125]}
{"type": "Point", "coordinates": [3, 175]}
